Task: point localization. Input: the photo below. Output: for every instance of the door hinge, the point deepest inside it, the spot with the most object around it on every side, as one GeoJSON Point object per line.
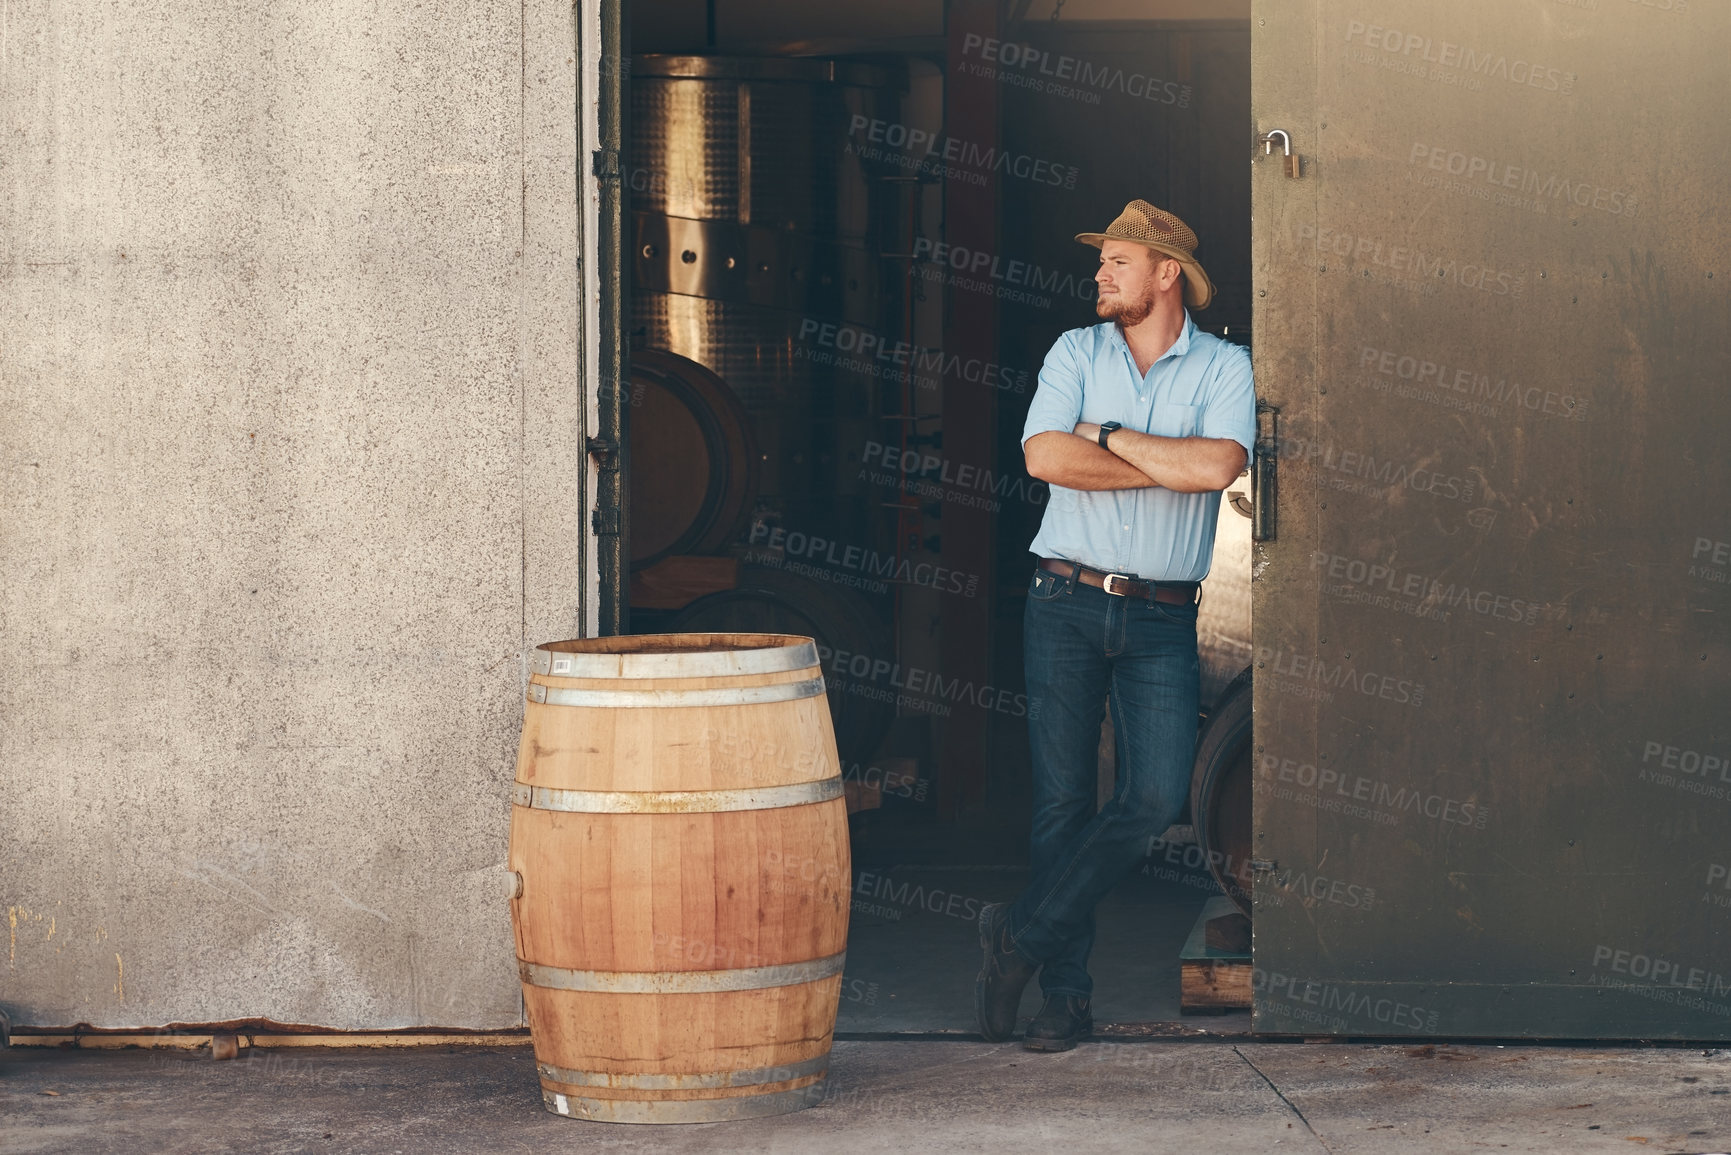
{"type": "Point", "coordinates": [605, 451]}
{"type": "Point", "coordinates": [605, 522]}
{"type": "Point", "coordinates": [604, 163]}
{"type": "Point", "coordinates": [1262, 865]}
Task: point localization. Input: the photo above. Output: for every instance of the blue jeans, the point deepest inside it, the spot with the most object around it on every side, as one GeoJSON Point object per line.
{"type": "Point", "coordinates": [1081, 642]}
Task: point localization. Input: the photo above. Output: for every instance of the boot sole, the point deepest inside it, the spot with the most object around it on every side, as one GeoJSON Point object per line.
{"type": "Point", "coordinates": [1051, 1045]}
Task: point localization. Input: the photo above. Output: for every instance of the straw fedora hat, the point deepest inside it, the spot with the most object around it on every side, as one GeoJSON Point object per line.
{"type": "Point", "coordinates": [1143, 224]}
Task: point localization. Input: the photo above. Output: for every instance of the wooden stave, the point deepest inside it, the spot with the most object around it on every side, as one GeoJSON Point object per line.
{"type": "Point", "coordinates": [764, 728]}
{"type": "Point", "coordinates": [778, 879]}
{"type": "Point", "coordinates": [591, 1024]}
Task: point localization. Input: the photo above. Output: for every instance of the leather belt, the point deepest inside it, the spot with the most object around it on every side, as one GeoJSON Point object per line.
{"type": "Point", "coordinates": [1121, 585]}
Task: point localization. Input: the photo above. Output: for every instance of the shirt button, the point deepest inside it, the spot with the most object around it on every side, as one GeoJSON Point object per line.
{"type": "Point", "coordinates": [1126, 527]}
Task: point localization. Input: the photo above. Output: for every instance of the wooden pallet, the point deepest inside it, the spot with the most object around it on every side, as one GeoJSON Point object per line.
{"type": "Point", "coordinates": [1214, 966]}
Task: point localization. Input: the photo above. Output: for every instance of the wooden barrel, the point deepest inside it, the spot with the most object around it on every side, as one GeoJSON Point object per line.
{"type": "Point", "coordinates": [679, 843]}
{"type": "Point", "coordinates": [694, 464]}
{"type": "Point", "coordinates": [1220, 791]}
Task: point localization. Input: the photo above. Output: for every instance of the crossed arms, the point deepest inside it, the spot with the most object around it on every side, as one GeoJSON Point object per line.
{"type": "Point", "coordinates": [1135, 460]}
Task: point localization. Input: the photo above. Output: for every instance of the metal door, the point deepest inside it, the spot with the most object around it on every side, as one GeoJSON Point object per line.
{"type": "Point", "coordinates": [1493, 749]}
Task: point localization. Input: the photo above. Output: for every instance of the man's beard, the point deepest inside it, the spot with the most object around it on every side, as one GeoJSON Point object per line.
{"type": "Point", "coordinates": [1128, 314]}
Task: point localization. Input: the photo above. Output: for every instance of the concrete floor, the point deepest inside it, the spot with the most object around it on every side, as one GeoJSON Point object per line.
{"type": "Point", "coordinates": [1216, 1098]}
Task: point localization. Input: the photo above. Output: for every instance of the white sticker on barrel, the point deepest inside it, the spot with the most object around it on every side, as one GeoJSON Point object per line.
{"type": "Point", "coordinates": [561, 665]}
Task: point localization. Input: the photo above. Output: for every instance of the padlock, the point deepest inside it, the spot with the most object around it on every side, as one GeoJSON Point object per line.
{"type": "Point", "coordinates": [1294, 165]}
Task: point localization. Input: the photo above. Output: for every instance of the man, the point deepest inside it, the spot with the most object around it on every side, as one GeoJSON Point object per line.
{"type": "Point", "coordinates": [1137, 425]}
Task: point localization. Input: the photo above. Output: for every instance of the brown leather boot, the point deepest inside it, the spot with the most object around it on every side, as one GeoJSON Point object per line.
{"type": "Point", "coordinates": [1063, 1022]}
{"type": "Point", "coordinates": [1003, 975]}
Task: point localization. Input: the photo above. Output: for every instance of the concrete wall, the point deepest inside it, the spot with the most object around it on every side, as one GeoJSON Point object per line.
{"type": "Point", "coordinates": [292, 406]}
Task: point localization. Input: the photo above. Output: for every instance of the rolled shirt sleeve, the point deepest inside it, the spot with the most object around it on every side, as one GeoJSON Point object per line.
{"type": "Point", "coordinates": [1229, 413]}
{"type": "Point", "coordinates": [1057, 404]}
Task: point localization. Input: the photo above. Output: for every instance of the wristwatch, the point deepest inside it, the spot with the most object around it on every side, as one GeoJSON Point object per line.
{"type": "Point", "coordinates": [1106, 431]}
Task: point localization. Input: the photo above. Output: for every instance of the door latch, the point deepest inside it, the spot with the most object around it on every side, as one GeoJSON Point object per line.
{"type": "Point", "coordinates": [1264, 473]}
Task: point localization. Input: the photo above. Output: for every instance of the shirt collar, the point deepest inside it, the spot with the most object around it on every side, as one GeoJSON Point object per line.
{"type": "Point", "coordinates": [1182, 345]}
{"type": "Point", "coordinates": [1179, 347]}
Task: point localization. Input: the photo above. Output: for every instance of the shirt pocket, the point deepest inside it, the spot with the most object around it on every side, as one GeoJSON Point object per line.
{"type": "Point", "coordinates": [1175, 420]}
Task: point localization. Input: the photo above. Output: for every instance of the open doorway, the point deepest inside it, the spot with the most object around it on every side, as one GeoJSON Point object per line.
{"type": "Point", "coordinates": [851, 240]}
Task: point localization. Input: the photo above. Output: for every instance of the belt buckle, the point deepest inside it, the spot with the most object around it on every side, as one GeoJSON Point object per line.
{"type": "Point", "coordinates": [1116, 577]}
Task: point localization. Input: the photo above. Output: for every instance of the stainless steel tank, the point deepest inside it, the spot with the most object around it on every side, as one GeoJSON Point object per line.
{"type": "Point", "coordinates": [758, 242]}
{"type": "Point", "coordinates": [755, 225]}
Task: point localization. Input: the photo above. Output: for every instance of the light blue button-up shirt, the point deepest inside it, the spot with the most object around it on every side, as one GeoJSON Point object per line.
{"type": "Point", "coordinates": [1201, 387]}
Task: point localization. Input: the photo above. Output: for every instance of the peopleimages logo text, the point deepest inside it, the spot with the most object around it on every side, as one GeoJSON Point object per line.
{"type": "Point", "coordinates": [1660, 972]}
{"type": "Point", "coordinates": [914, 894]}
{"type": "Point", "coordinates": [1324, 458]}
{"type": "Point", "coordinates": [863, 560]}
{"type": "Point", "coordinates": [925, 367]}
{"type": "Point", "coordinates": [1688, 761]}
{"type": "Point", "coordinates": [1711, 560]}
{"type": "Point", "coordinates": [1501, 175]}
{"type": "Point", "coordinates": [1063, 70]}
{"type": "Point", "coordinates": [928, 149]}
{"type": "Point", "coordinates": [1470, 384]}
{"type": "Point", "coordinates": [1411, 266]}
{"type": "Point", "coordinates": [1311, 668]}
{"type": "Point", "coordinates": [918, 682]}
{"type": "Point", "coordinates": [1327, 997]}
{"type": "Point", "coordinates": [1321, 888]}
{"type": "Point", "coordinates": [1424, 595]}
{"type": "Point", "coordinates": [1468, 60]}
{"type": "Point", "coordinates": [1019, 273]}
{"type": "Point", "coordinates": [1456, 811]}
{"type": "Point", "coordinates": [913, 464]}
